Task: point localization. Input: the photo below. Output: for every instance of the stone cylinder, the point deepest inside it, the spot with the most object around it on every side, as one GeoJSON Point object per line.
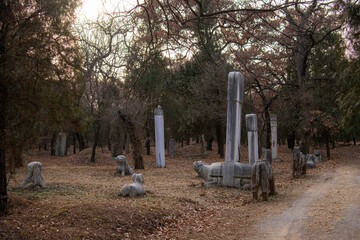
{"type": "Point", "coordinates": [252, 129]}
{"type": "Point", "coordinates": [234, 108]}
{"type": "Point", "coordinates": [273, 124]}
{"type": "Point", "coordinates": [159, 137]}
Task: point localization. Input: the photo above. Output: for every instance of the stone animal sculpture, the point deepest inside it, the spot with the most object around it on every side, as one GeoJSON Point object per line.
{"type": "Point", "coordinates": [135, 189]}
{"type": "Point", "coordinates": [298, 163]}
{"type": "Point", "coordinates": [262, 176]}
{"type": "Point", "coordinates": [123, 167]}
{"type": "Point", "coordinates": [317, 154]}
{"type": "Point", "coordinates": [310, 161]}
{"type": "Point", "coordinates": [213, 174]}
{"type": "Point", "coordinates": [33, 176]}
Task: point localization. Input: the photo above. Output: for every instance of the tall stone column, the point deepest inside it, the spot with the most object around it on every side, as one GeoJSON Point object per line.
{"type": "Point", "coordinates": [233, 127]}
{"type": "Point", "coordinates": [273, 124]}
{"type": "Point", "coordinates": [159, 137]}
{"type": "Point", "coordinates": [252, 129]}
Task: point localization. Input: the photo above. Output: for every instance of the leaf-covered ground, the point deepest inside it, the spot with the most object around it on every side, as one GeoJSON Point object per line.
{"type": "Point", "coordinates": [81, 199]}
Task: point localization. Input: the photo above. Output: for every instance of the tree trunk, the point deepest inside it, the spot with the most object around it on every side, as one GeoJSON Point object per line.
{"type": "Point", "coordinates": [135, 140]}
{"type": "Point", "coordinates": [52, 144]}
{"type": "Point", "coordinates": [74, 143]}
{"type": "Point", "coordinates": [81, 141]}
{"type": "Point", "coordinates": [220, 139]}
{"type": "Point", "coordinates": [327, 149]}
{"type": "Point", "coordinates": [354, 141]}
{"type": "Point", "coordinates": [96, 128]}
{"type": "Point", "coordinates": [291, 140]}
{"type": "Point", "coordinates": [116, 139]}
{"type": "Point", "coordinates": [268, 129]}
{"type": "Point", "coordinates": [3, 114]}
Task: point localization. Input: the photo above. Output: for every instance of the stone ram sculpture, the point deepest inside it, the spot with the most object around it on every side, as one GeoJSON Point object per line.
{"type": "Point", "coordinates": [135, 189]}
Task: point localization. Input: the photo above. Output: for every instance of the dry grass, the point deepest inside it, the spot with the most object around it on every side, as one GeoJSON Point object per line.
{"type": "Point", "coordinates": [81, 199]}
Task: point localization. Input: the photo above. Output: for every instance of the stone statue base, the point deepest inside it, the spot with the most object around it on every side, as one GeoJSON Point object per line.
{"type": "Point", "coordinates": [225, 174]}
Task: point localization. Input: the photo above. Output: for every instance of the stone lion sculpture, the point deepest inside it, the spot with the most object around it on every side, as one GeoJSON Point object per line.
{"type": "Point", "coordinates": [33, 176]}
{"type": "Point", "coordinates": [262, 176]}
{"type": "Point", "coordinates": [123, 167]}
{"type": "Point", "coordinates": [135, 189]}
{"type": "Point", "coordinates": [310, 161]}
{"type": "Point", "coordinates": [298, 163]}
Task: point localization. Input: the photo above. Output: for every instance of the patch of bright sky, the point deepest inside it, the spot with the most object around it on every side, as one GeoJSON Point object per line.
{"type": "Point", "coordinates": [91, 9]}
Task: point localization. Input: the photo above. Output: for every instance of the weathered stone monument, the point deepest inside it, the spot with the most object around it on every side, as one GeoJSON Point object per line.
{"type": "Point", "coordinates": [172, 147]}
{"type": "Point", "coordinates": [318, 155]}
{"type": "Point", "coordinates": [159, 137]}
{"type": "Point", "coordinates": [310, 161]}
{"type": "Point", "coordinates": [60, 145]}
{"type": "Point", "coordinates": [123, 167]}
{"type": "Point", "coordinates": [274, 148]}
{"type": "Point", "coordinates": [33, 176]}
{"type": "Point", "coordinates": [230, 173]}
{"type": "Point", "coordinates": [135, 189]}
{"type": "Point", "coordinates": [262, 176]}
{"type": "Point", "coordinates": [298, 163]}
{"type": "Point", "coordinates": [253, 145]}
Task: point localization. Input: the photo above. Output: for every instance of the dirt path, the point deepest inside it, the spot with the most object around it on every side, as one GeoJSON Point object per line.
{"type": "Point", "coordinates": [329, 209]}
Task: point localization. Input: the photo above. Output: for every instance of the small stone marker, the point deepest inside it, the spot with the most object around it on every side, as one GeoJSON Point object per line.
{"type": "Point", "coordinates": [33, 176]}
{"type": "Point", "coordinates": [159, 137]}
{"type": "Point", "coordinates": [172, 148]}
{"type": "Point", "coordinates": [135, 189]}
{"type": "Point", "coordinates": [253, 145]}
{"type": "Point", "coordinates": [60, 145]}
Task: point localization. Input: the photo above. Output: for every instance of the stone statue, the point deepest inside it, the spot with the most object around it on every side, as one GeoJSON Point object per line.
{"type": "Point", "coordinates": [33, 176]}
{"type": "Point", "coordinates": [213, 174]}
{"type": "Point", "coordinates": [317, 154]}
{"type": "Point", "coordinates": [298, 163]}
{"type": "Point", "coordinates": [123, 167]}
{"type": "Point", "coordinates": [135, 189]}
{"type": "Point", "coordinates": [262, 176]}
{"type": "Point", "coordinates": [310, 161]}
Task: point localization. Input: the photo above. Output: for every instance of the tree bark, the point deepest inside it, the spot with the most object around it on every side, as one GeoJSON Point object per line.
{"type": "Point", "coordinates": [3, 114]}
{"type": "Point", "coordinates": [96, 128]}
{"type": "Point", "coordinates": [220, 139]}
{"type": "Point", "coordinates": [135, 140]}
{"type": "Point", "coordinates": [268, 128]}
{"type": "Point", "coordinates": [81, 141]}
{"type": "Point", "coordinates": [52, 144]}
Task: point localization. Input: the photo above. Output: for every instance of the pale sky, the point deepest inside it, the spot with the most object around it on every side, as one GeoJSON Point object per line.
{"type": "Point", "coordinates": [92, 8]}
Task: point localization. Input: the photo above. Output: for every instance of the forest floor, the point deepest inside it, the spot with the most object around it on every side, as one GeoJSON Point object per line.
{"type": "Point", "coordinates": [81, 200]}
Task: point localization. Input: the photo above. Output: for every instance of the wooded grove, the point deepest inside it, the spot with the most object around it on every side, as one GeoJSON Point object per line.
{"type": "Point", "coordinates": [99, 80]}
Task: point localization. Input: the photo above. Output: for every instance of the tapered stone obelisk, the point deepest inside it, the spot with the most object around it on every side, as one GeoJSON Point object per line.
{"type": "Point", "coordinates": [252, 129]}
{"type": "Point", "coordinates": [233, 127]}
{"type": "Point", "coordinates": [159, 137]}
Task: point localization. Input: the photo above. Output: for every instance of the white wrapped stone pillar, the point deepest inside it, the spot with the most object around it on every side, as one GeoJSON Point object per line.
{"type": "Point", "coordinates": [273, 124]}
{"type": "Point", "coordinates": [252, 129]}
{"type": "Point", "coordinates": [159, 137]}
{"type": "Point", "coordinates": [233, 127]}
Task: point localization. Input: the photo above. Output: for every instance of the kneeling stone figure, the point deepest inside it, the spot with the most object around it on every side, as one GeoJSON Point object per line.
{"type": "Point", "coordinates": [262, 176]}
{"type": "Point", "coordinates": [135, 189]}
{"type": "Point", "coordinates": [33, 176]}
